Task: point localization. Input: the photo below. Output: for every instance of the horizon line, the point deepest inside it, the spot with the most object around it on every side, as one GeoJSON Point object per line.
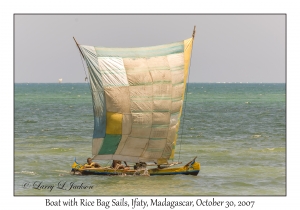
{"type": "Point", "coordinates": [187, 82]}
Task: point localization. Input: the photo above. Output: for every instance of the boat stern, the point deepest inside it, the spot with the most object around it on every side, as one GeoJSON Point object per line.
{"type": "Point", "coordinates": [194, 168]}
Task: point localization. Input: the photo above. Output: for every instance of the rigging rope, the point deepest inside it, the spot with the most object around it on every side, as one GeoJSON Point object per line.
{"type": "Point", "coordinates": [86, 78]}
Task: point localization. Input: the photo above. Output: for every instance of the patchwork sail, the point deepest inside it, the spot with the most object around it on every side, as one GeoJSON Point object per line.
{"type": "Point", "coordinates": [137, 96]}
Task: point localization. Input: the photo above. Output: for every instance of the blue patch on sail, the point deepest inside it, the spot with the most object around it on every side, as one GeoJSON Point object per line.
{"type": "Point", "coordinates": [99, 127]}
{"type": "Point", "coordinates": [100, 121]}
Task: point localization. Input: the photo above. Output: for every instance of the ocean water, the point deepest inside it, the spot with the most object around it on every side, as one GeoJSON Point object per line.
{"type": "Point", "coordinates": [237, 132]}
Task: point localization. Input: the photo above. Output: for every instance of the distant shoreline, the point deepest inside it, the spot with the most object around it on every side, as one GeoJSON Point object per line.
{"type": "Point", "coordinates": [188, 83]}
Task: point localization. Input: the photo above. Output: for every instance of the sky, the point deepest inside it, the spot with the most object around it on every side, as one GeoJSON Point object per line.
{"type": "Point", "coordinates": [227, 47]}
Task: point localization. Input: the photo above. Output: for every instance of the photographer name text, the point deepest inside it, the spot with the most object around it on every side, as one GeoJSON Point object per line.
{"type": "Point", "coordinates": [62, 185]}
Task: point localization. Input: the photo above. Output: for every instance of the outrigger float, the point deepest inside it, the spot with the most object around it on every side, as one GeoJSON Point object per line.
{"type": "Point", "coordinates": [137, 96]}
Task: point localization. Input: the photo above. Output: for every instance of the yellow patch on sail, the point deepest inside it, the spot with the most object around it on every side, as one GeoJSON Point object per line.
{"type": "Point", "coordinates": [188, 44]}
{"type": "Point", "coordinates": [177, 105]}
{"type": "Point", "coordinates": [113, 123]}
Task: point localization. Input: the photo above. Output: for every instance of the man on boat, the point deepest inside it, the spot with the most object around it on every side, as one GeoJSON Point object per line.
{"type": "Point", "coordinates": [91, 164]}
{"type": "Point", "coordinates": [140, 165]}
{"type": "Point", "coordinates": [116, 164]}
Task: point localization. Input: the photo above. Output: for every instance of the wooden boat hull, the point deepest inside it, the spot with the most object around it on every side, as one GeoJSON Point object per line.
{"type": "Point", "coordinates": [192, 168]}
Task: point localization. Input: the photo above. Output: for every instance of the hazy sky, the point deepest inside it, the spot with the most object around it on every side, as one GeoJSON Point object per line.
{"type": "Point", "coordinates": [227, 48]}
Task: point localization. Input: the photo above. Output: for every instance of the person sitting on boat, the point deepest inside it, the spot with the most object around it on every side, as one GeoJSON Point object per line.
{"type": "Point", "coordinates": [140, 165]}
{"type": "Point", "coordinates": [116, 164]}
{"type": "Point", "coordinates": [91, 164]}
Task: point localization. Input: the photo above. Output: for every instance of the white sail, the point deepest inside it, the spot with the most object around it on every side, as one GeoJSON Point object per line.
{"type": "Point", "coordinates": [137, 98]}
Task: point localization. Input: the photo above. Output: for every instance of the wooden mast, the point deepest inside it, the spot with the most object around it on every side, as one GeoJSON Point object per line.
{"type": "Point", "coordinates": [86, 78]}
{"type": "Point", "coordinates": [78, 46]}
{"type": "Point", "coordinates": [194, 32]}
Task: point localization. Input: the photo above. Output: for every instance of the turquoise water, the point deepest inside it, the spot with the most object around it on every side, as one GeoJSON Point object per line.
{"type": "Point", "coordinates": [237, 132]}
